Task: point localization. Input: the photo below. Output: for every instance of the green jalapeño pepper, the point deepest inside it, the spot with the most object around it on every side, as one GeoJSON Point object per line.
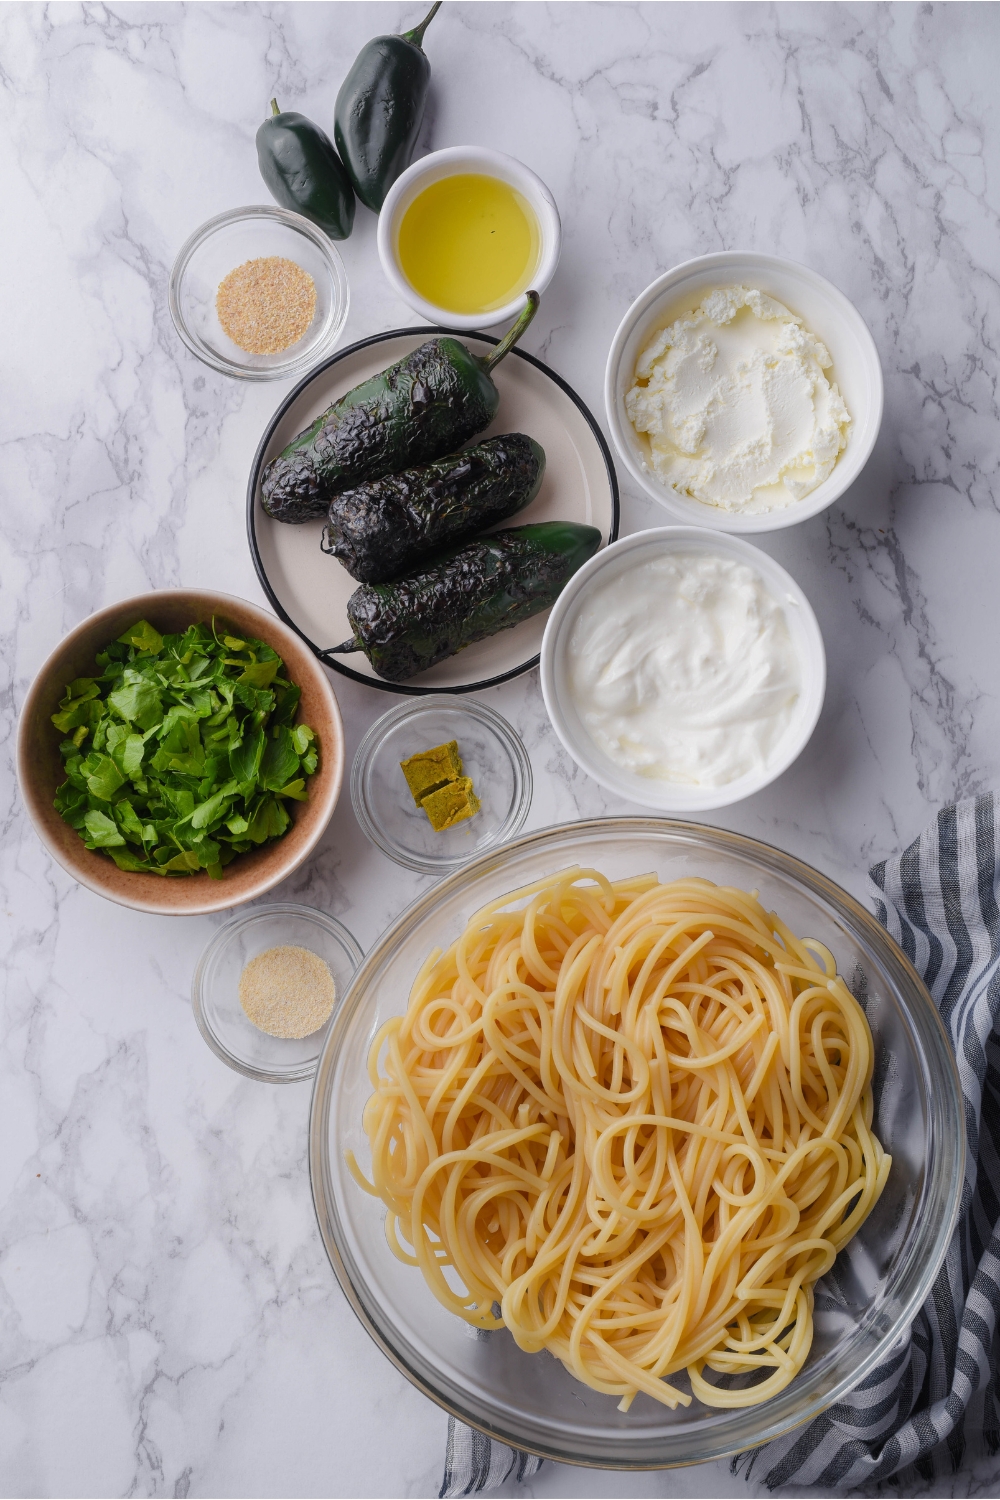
{"type": "Point", "coordinates": [304, 173]}
{"type": "Point", "coordinates": [379, 111]}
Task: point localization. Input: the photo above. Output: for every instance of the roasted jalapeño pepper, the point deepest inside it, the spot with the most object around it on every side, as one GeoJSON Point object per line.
{"type": "Point", "coordinates": [387, 526]}
{"type": "Point", "coordinates": [464, 595]}
{"type": "Point", "coordinates": [379, 110]}
{"type": "Point", "coordinates": [422, 407]}
{"type": "Point", "coordinates": [304, 173]}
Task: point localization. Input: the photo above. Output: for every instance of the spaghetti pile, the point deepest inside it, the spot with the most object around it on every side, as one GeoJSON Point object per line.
{"type": "Point", "coordinates": [638, 1117]}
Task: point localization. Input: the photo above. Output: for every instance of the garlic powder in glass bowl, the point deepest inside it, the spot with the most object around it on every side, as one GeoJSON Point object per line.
{"type": "Point", "coordinates": [216, 997]}
{"type": "Point", "coordinates": [244, 240]}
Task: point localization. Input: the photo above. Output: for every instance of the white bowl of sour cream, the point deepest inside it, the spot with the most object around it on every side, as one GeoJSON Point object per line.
{"type": "Point", "coordinates": [744, 392]}
{"type": "Point", "coordinates": [683, 669]}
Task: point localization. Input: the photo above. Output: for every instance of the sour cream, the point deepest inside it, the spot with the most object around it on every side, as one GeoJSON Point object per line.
{"type": "Point", "coordinates": [682, 668]}
{"type": "Point", "coordinates": [737, 404]}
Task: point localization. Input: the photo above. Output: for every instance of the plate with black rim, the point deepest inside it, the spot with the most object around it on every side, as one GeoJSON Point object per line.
{"type": "Point", "coordinates": [309, 590]}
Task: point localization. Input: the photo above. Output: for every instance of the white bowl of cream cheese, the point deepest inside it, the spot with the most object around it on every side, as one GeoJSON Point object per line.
{"type": "Point", "coordinates": [744, 392]}
{"type": "Point", "coordinates": [683, 669]}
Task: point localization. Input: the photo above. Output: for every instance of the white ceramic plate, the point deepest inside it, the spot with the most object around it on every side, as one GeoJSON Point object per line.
{"type": "Point", "coordinates": [825, 311]}
{"type": "Point", "coordinates": [310, 590]}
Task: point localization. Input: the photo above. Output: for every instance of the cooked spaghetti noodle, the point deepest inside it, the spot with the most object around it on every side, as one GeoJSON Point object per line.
{"type": "Point", "coordinates": [638, 1117]}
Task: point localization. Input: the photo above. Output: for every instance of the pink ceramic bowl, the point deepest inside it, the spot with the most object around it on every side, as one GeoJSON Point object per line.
{"type": "Point", "coordinates": [40, 767]}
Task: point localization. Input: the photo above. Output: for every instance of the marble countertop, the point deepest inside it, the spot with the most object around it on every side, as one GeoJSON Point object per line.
{"type": "Point", "coordinates": [170, 1323]}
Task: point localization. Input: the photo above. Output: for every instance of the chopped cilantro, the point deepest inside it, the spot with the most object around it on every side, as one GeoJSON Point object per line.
{"type": "Point", "coordinates": [183, 752]}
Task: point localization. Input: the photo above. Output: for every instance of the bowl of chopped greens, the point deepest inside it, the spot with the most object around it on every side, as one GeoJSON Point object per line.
{"type": "Point", "coordinates": [181, 752]}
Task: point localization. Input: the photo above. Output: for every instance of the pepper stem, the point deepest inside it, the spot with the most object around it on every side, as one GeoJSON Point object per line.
{"type": "Point", "coordinates": [346, 648]}
{"type": "Point", "coordinates": [513, 333]}
{"type": "Point", "coordinates": [274, 107]}
{"type": "Point", "coordinates": [416, 36]}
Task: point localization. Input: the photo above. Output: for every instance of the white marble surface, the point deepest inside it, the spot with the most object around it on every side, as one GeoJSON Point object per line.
{"type": "Point", "coordinates": [170, 1324]}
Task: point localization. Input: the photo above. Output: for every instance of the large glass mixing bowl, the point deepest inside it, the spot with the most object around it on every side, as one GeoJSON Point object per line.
{"type": "Point", "coordinates": [879, 1280]}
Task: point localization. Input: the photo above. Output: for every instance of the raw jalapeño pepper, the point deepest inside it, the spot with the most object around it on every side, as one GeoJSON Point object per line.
{"type": "Point", "coordinates": [304, 173]}
{"type": "Point", "coordinates": [380, 108]}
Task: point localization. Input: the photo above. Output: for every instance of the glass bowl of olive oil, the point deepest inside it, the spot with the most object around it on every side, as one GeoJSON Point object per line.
{"type": "Point", "coordinates": [465, 232]}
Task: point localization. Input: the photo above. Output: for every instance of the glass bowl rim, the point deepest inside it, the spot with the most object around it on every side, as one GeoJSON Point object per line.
{"type": "Point", "coordinates": [231, 929]}
{"type": "Point", "coordinates": [509, 739]}
{"type": "Point", "coordinates": [301, 225]}
{"type": "Point", "coordinates": [941, 1192]}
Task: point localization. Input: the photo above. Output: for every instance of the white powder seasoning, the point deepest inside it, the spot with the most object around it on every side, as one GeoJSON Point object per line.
{"type": "Point", "coordinates": [737, 405]}
{"type": "Point", "coordinates": [287, 992]}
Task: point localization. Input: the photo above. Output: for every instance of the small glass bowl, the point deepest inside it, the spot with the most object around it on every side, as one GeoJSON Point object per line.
{"type": "Point", "coordinates": [215, 998]}
{"type": "Point", "coordinates": [224, 243]}
{"type": "Point", "coordinates": [492, 755]}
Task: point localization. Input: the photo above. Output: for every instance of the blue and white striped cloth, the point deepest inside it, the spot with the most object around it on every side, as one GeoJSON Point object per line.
{"type": "Point", "coordinates": [474, 1463]}
{"type": "Point", "coordinates": [937, 1391]}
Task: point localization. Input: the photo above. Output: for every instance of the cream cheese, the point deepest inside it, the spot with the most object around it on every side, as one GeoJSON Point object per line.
{"type": "Point", "coordinates": [683, 669]}
{"type": "Point", "coordinates": [736, 404]}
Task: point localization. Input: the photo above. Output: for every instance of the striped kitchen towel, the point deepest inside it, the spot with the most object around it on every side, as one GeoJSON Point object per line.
{"type": "Point", "coordinates": [473, 1462]}
{"type": "Point", "coordinates": [938, 1387]}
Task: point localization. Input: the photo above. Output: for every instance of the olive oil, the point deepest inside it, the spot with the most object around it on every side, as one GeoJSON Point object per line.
{"type": "Point", "coordinates": [469, 243]}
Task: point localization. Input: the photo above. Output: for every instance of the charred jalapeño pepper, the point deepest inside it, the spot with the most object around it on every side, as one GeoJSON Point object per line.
{"type": "Point", "coordinates": [380, 108]}
{"type": "Point", "coordinates": [465, 595]}
{"type": "Point", "coordinates": [420, 408]}
{"type": "Point", "coordinates": [385, 527]}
